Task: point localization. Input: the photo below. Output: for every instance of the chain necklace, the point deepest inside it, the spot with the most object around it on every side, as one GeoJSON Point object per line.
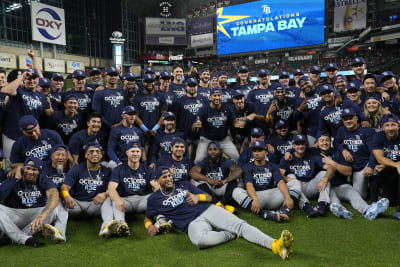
{"type": "Point", "coordinates": [97, 176]}
{"type": "Point", "coordinates": [166, 194]}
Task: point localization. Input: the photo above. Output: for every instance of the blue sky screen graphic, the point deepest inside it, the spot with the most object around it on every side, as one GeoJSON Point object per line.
{"type": "Point", "coordinates": [269, 24]}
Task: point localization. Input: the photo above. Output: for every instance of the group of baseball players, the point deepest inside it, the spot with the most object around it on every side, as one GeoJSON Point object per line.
{"type": "Point", "coordinates": [187, 149]}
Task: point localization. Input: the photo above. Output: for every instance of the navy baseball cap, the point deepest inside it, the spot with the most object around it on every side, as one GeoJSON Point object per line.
{"type": "Point", "coordinates": [128, 75]}
{"type": "Point", "coordinates": [59, 147]}
{"type": "Point", "coordinates": [352, 85]}
{"type": "Point", "coordinates": [323, 133]}
{"type": "Point", "coordinates": [1, 154]}
{"type": "Point", "coordinates": [44, 82]}
{"type": "Point", "coordinates": [298, 72]}
{"type": "Point", "coordinates": [331, 66]}
{"type": "Point", "coordinates": [215, 90]}
{"type": "Point", "coordinates": [133, 144]}
{"type": "Point", "coordinates": [178, 141]}
{"type": "Point", "coordinates": [386, 75]}
{"type": "Point", "coordinates": [325, 87]}
{"type": "Point", "coordinates": [161, 170]}
{"type": "Point", "coordinates": [262, 72]}
{"type": "Point", "coordinates": [237, 94]}
{"type": "Point", "coordinates": [111, 70]}
{"type": "Point", "coordinates": [33, 71]}
{"type": "Point", "coordinates": [222, 73]}
{"type": "Point", "coordinates": [315, 69]}
{"type": "Point", "coordinates": [57, 76]}
{"type": "Point", "coordinates": [130, 110]}
{"type": "Point", "coordinates": [149, 70]}
{"type": "Point", "coordinates": [93, 144]}
{"type": "Point", "coordinates": [339, 77]}
{"type": "Point", "coordinates": [192, 81]}
{"type": "Point", "coordinates": [165, 75]}
{"type": "Point", "coordinates": [299, 138]}
{"type": "Point", "coordinates": [258, 144]}
{"type": "Point", "coordinates": [214, 144]}
{"type": "Point", "coordinates": [168, 114]}
{"type": "Point", "coordinates": [277, 86]}
{"type": "Point", "coordinates": [204, 70]}
{"type": "Point", "coordinates": [281, 123]}
{"type": "Point", "coordinates": [243, 69]}
{"type": "Point", "coordinates": [148, 77]}
{"type": "Point", "coordinates": [69, 96]}
{"type": "Point", "coordinates": [36, 163]}
{"type": "Point", "coordinates": [257, 132]}
{"type": "Point", "coordinates": [369, 76]}
{"type": "Point", "coordinates": [27, 122]}
{"type": "Point", "coordinates": [95, 71]}
{"type": "Point", "coordinates": [78, 73]}
{"type": "Point", "coordinates": [304, 78]}
{"type": "Point", "coordinates": [284, 74]}
{"type": "Point", "coordinates": [357, 60]}
{"type": "Point", "coordinates": [348, 112]}
{"type": "Point", "coordinates": [389, 118]}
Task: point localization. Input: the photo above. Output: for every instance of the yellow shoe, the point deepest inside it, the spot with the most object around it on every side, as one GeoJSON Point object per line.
{"type": "Point", "coordinates": [219, 204]}
{"type": "Point", "coordinates": [282, 246]}
{"type": "Point", "coordinates": [110, 229]}
{"type": "Point", "coordinates": [52, 233]}
{"type": "Point", "coordinates": [230, 208]}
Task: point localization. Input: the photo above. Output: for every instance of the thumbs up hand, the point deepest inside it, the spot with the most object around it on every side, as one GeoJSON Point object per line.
{"type": "Point", "coordinates": [192, 199]}
{"type": "Point", "coordinates": [197, 124]}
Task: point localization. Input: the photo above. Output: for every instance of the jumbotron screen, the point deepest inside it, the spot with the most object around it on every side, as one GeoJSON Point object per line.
{"type": "Point", "coordinates": [270, 24]}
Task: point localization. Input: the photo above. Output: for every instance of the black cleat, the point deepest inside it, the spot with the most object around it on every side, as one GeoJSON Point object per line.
{"type": "Point", "coordinates": [32, 242]}
{"type": "Point", "coordinates": [322, 208]}
{"type": "Point", "coordinates": [309, 210]}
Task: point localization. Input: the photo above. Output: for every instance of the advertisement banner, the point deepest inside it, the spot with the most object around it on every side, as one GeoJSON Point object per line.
{"type": "Point", "coordinates": [25, 61]}
{"type": "Point", "coordinates": [48, 24]}
{"type": "Point", "coordinates": [350, 15]}
{"type": "Point", "coordinates": [54, 65]}
{"type": "Point", "coordinates": [162, 26]}
{"type": "Point", "coordinates": [202, 40]}
{"type": "Point", "coordinates": [202, 25]}
{"type": "Point", "coordinates": [74, 65]}
{"type": "Point", "coordinates": [8, 61]}
{"type": "Point", "coordinates": [270, 24]}
{"type": "Point", "coordinates": [165, 40]}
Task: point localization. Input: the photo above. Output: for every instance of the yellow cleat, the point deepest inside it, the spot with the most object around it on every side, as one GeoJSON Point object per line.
{"type": "Point", "coordinates": [219, 204]}
{"type": "Point", "coordinates": [52, 233]}
{"type": "Point", "coordinates": [282, 246]}
{"type": "Point", "coordinates": [230, 208]}
{"type": "Point", "coordinates": [110, 229]}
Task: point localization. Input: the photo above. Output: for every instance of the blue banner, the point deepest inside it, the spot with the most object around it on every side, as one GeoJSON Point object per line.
{"type": "Point", "coordinates": [270, 24]}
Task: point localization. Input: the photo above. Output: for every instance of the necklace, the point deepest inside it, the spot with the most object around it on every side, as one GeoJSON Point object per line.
{"type": "Point", "coordinates": [97, 176]}
{"type": "Point", "coordinates": [166, 194]}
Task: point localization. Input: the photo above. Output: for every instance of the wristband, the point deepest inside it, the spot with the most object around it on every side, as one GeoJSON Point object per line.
{"type": "Point", "coordinates": [64, 193]}
{"type": "Point", "coordinates": [202, 197]}
{"type": "Point", "coordinates": [147, 224]}
{"type": "Point", "coordinates": [42, 216]}
{"type": "Point", "coordinates": [144, 128]}
{"type": "Point", "coordinates": [156, 127]}
{"type": "Point", "coordinates": [325, 181]}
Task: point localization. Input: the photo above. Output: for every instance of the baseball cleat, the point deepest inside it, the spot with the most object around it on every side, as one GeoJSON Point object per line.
{"type": "Point", "coordinates": [123, 229]}
{"type": "Point", "coordinates": [322, 208]}
{"type": "Point", "coordinates": [339, 211]}
{"type": "Point", "coordinates": [229, 208]}
{"type": "Point", "coordinates": [110, 229]}
{"type": "Point", "coordinates": [164, 226]}
{"type": "Point", "coordinates": [397, 214]}
{"type": "Point", "coordinates": [219, 204]}
{"type": "Point", "coordinates": [52, 233]}
{"type": "Point", "coordinates": [309, 210]}
{"type": "Point", "coordinates": [274, 216]}
{"type": "Point", "coordinates": [32, 242]}
{"type": "Point", "coordinates": [282, 246]}
{"type": "Point", "coordinates": [376, 208]}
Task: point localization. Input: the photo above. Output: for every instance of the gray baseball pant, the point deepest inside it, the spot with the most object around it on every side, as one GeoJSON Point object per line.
{"type": "Point", "coordinates": [311, 140]}
{"type": "Point", "coordinates": [16, 223]}
{"type": "Point", "coordinates": [202, 232]}
{"type": "Point", "coordinates": [270, 199]}
{"type": "Point", "coordinates": [360, 182]}
{"type": "Point", "coordinates": [226, 146]}
{"type": "Point", "coordinates": [347, 193]}
{"type": "Point", "coordinates": [310, 190]}
{"type": "Point", "coordinates": [134, 203]}
{"type": "Point", "coordinates": [7, 146]}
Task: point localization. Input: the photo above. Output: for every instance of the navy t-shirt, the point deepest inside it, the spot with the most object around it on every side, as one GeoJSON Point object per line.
{"type": "Point", "coordinates": [244, 88]}
{"type": "Point", "coordinates": [262, 177]}
{"type": "Point", "coordinates": [215, 122]}
{"type": "Point", "coordinates": [84, 101]}
{"type": "Point", "coordinates": [261, 98]}
{"type": "Point", "coordinates": [178, 89]}
{"type": "Point", "coordinates": [162, 144]}
{"type": "Point", "coordinates": [169, 98]}
{"type": "Point", "coordinates": [19, 194]}
{"type": "Point", "coordinates": [216, 172]}
{"type": "Point", "coordinates": [310, 114]}
{"type": "Point", "coordinates": [149, 108]}
{"type": "Point", "coordinates": [391, 148]}
{"type": "Point", "coordinates": [109, 103]}
{"type": "Point", "coordinates": [81, 138]}
{"type": "Point", "coordinates": [181, 168]}
{"type": "Point", "coordinates": [305, 168]}
{"type": "Point", "coordinates": [246, 156]}
{"type": "Point", "coordinates": [25, 147]}
{"type": "Point", "coordinates": [52, 174]}
{"type": "Point", "coordinates": [64, 125]}
{"type": "Point", "coordinates": [85, 186]}
{"type": "Point", "coordinates": [248, 109]}
{"type": "Point", "coordinates": [174, 206]}
{"type": "Point", "coordinates": [56, 100]}
{"type": "Point", "coordinates": [132, 182]}
{"type": "Point", "coordinates": [281, 146]}
{"type": "Point", "coordinates": [203, 91]}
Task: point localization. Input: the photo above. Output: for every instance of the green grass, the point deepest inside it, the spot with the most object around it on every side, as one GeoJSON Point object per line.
{"type": "Point", "coordinates": [326, 241]}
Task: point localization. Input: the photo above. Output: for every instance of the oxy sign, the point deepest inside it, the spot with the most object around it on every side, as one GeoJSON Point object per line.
{"type": "Point", "coordinates": [48, 24]}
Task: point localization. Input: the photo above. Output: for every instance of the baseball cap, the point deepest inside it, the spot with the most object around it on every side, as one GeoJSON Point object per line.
{"type": "Point", "coordinates": [262, 72]}
{"type": "Point", "coordinates": [304, 78]}
{"type": "Point", "coordinates": [281, 123]}
{"type": "Point", "coordinates": [215, 90]}
{"type": "Point", "coordinates": [258, 144]}
{"type": "Point", "coordinates": [57, 76]}
{"type": "Point", "coordinates": [339, 77]}
{"type": "Point", "coordinates": [315, 69]}
{"type": "Point", "coordinates": [111, 70]}
{"type": "Point", "coordinates": [130, 110]}
{"type": "Point", "coordinates": [257, 132]}
{"type": "Point", "coordinates": [323, 133]}
{"type": "Point", "coordinates": [222, 72]}
{"type": "Point", "coordinates": [237, 93]}
{"type": "Point", "coordinates": [369, 76]}
{"type": "Point", "coordinates": [1, 154]}
{"type": "Point", "coordinates": [352, 85]}
{"type": "Point", "coordinates": [128, 75]}
{"type": "Point", "coordinates": [325, 87]}
{"type": "Point", "coordinates": [348, 112]}
{"type": "Point", "coordinates": [192, 81]}
{"type": "Point", "coordinates": [165, 75]}
{"type": "Point", "coordinates": [168, 114]}
{"type": "Point", "coordinates": [331, 66]}
{"type": "Point", "coordinates": [284, 74]}
{"type": "Point", "coordinates": [44, 82]}
{"type": "Point", "coordinates": [204, 70]}
{"type": "Point", "coordinates": [178, 141]}
{"type": "Point", "coordinates": [149, 70]}
{"type": "Point", "coordinates": [277, 86]}
{"type": "Point", "coordinates": [78, 73]}
{"type": "Point", "coordinates": [92, 144]}
{"type": "Point", "coordinates": [148, 77]}
{"type": "Point", "coordinates": [33, 71]}
{"type": "Point", "coordinates": [161, 170]}
{"type": "Point", "coordinates": [298, 71]}
{"type": "Point", "coordinates": [36, 163]}
{"type": "Point", "coordinates": [133, 144]}
{"type": "Point", "coordinates": [214, 144]}
{"type": "Point", "coordinates": [27, 122]}
{"type": "Point", "coordinates": [243, 69]}
{"type": "Point", "coordinates": [95, 71]}
{"type": "Point", "coordinates": [357, 60]}
{"type": "Point", "coordinates": [389, 118]}
{"type": "Point", "coordinates": [69, 96]}
{"type": "Point", "coordinates": [58, 147]}
{"type": "Point", "coordinates": [386, 75]}
{"type": "Point", "coordinates": [299, 138]}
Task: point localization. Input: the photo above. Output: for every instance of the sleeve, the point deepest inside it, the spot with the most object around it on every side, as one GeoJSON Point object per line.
{"type": "Point", "coordinates": [52, 122]}
{"type": "Point", "coordinates": [46, 183]}
{"type": "Point", "coordinates": [163, 104]}
{"type": "Point", "coordinates": [45, 104]}
{"type": "Point", "coordinates": [151, 209]}
{"type": "Point", "coordinates": [97, 106]}
{"type": "Point", "coordinates": [193, 189]}
{"type": "Point", "coordinates": [57, 138]}
{"type": "Point", "coordinates": [247, 178]}
{"type": "Point", "coordinates": [74, 144]}
{"type": "Point", "coordinates": [370, 138]}
{"type": "Point", "coordinates": [71, 176]}
{"type": "Point", "coordinates": [376, 142]}
{"type": "Point", "coordinates": [111, 145]}
{"type": "Point", "coordinates": [155, 147]}
{"type": "Point", "coordinates": [242, 159]}
{"type": "Point", "coordinates": [283, 165]}
{"type": "Point", "coordinates": [322, 127]}
{"type": "Point", "coordinates": [17, 152]}
{"type": "Point", "coordinates": [107, 175]}
{"type": "Point", "coordinates": [6, 188]}
{"type": "Point", "coordinates": [298, 115]}
{"type": "Point", "coordinates": [337, 142]}
{"type": "Point", "coordinates": [276, 174]}
{"type": "Point", "coordinates": [115, 175]}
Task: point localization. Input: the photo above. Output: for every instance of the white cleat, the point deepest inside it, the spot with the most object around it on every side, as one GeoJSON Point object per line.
{"type": "Point", "coordinates": [52, 233]}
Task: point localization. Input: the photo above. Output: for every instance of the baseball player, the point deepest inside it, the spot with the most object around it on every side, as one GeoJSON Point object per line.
{"type": "Point", "coordinates": [203, 88]}
{"type": "Point", "coordinates": [177, 86]}
{"type": "Point", "coordinates": [57, 168]}
{"type": "Point", "coordinates": [189, 208]}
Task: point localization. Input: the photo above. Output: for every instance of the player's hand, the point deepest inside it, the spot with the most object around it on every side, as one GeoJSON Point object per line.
{"type": "Point", "coordinates": [315, 144]}
{"type": "Point", "coordinates": [17, 172]}
{"type": "Point", "coordinates": [69, 202]}
{"type": "Point", "coordinates": [270, 148]}
{"type": "Point", "coordinates": [368, 172]}
{"type": "Point", "coordinates": [272, 107]}
{"type": "Point", "coordinates": [379, 168]}
{"type": "Point", "coordinates": [152, 230]}
{"type": "Point", "coordinates": [302, 106]}
{"type": "Point", "coordinates": [197, 124]}
{"type": "Point", "coordinates": [99, 198]}
{"type": "Point", "coordinates": [218, 184]}
{"type": "Point", "coordinates": [255, 206]}
{"type": "Point", "coordinates": [347, 156]}
{"type": "Point", "coordinates": [251, 117]}
{"type": "Point", "coordinates": [37, 224]}
{"type": "Point", "coordinates": [192, 199]}
{"type": "Point", "coordinates": [385, 97]}
{"type": "Point", "coordinates": [288, 156]}
{"type": "Point", "coordinates": [120, 204]}
{"type": "Point", "coordinates": [211, 182]}
{"type": "Point", "coordinates": [116, 125]}
{"type": "Point", "coordinates": [365, 124]}
{"type": "Point", "coordinates": [31, 53]}
{"type": "Point", "coordinates": [151, 132]}
{"type": "Point", "coordinates": [239, 123]}
{"type": "Point", "coordinates": [338, 101]}
{"type": "Point", "coordinates": [153, 166]}
{"type": "Point", "coordinates": [322, 184]}
{"type": "Point", "coordinates": [288, 202]}
{"type": "Point", "coordinates": [327, 160]}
